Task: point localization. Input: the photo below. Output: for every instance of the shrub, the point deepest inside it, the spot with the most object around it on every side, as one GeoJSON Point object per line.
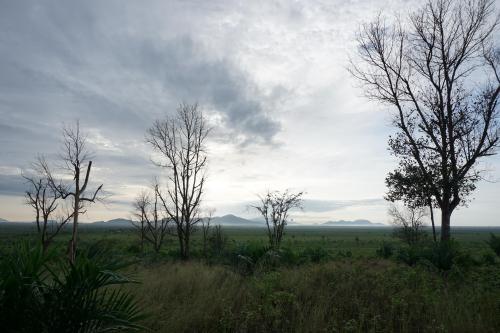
{"type": "Point", "coordinates": [442, 255]}
{"type": "Point", "coordinates": [315, 254]}
{"type": "Point", "coordinates": [41, 294]}
{"type": "Point", "coordinates": [385, 250]}
{"type": "Point", "coordinates": [494, 243]}
{"type": "Point", "coordinates": [217, 241]}
{"type": "Point", "coordinates": [488, 258]}
{"type": "Point", "coordinates": [252, 250]}
{"type": "Point", "coordinates": [410, 255]}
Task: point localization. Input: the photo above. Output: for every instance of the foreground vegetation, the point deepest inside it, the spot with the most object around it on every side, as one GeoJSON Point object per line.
{"type": "Point", "coordinates": [321, 280]}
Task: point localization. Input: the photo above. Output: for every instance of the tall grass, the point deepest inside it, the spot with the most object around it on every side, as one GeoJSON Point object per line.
{"type": "Point", "coordinates": [342, 296]}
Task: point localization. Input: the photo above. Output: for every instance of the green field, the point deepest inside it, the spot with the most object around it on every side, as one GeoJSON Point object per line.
{"type": "Point", "coordinates": [361, 242]}
{"type": "Point", "coordinates": [322, 280]}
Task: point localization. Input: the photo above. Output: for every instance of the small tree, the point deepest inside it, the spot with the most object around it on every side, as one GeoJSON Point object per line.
{"type": "Point", "coordinates": [409, 222]}
{"type": "Point", "coordinates": [274, 207]}
{"type": "Point", "coordinates": [180, 140]}
{"type": "Point", "coordinates": [140, 204]}
{"type": "Point", "coordinates": [205, 229]}
{"type": "Point", "coordinates": [153, 224]}
{"type": "Point", "coordinates": [44, 200]}
{"type": "Point", "coordinates": [217, 240]}
{"type": "Point", "coordinates": [410, 186]}
{"type": "Point", "coordinates": [75, 156]}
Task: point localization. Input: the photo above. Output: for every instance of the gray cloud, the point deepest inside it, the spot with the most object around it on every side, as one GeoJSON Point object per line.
{"type": "Point", "coordinates": [100, 63]}
{"type": "Point", "coordinates": [63, 61]}
{"type": "Point", "coordinates": [12, 185]}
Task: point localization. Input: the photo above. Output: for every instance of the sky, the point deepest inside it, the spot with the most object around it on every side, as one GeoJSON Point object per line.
{"type": "Point", "coordinates": [270, 75]}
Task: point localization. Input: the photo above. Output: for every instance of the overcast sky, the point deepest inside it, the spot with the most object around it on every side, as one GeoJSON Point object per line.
{"type": "Point", "coordinates": [271, 76]}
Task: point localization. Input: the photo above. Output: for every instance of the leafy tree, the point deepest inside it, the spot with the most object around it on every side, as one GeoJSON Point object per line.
{"type": "Point", "coordinates": [424, 67]}
{"type": "Point", "coordinates": [410, 186]}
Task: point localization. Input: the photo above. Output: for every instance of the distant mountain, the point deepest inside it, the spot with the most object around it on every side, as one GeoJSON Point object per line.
{"type": "Point", "coordinates": [355, 223]}
{"type": "Point", "coordinates": [233, 220]}
{"type": "Point", "coordinates": [119, 222]}
{"type": "Point", "coordinates": [3, 220]}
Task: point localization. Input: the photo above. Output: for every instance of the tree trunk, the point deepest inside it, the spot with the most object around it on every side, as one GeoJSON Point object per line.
{"type": "Point", "coordinates": [45, 245]}
{"type": "Point", "coordinates": [186, 248]}
{"type": "Point", "coordinates": [445, 224]}
{"type": "Point", "coordinates": [38, 221]}
{"type": "Point", "coordinates": [74, 235]}
{"type": "Point", "coordinates": [181, 245]}
{"type": "Point", "coordinates": [432, 221]}
{"type": "Point", "coordinates": [142, 236]}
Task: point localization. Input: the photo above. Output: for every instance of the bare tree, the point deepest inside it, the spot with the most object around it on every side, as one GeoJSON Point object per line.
{"type": "Point", "coordinates": [44, 200]}
{"type": "Point", "coordinates": [274, 207]}
{"type": "Point", "coordinates": [77, 163]}
{"type": "Point", "coordinates": [153, 223]}
{"type": "Point", "coordinates": [409, 222]}
{"type": "Point", "coordinates": [217, 240]}
{"type": "Point", "coordinates": [205, 229]}
{"type": "Point", "coordinates": [424, 69]}
{"type": "Point", "coordinates": [140, 208]}
{"type": "Point", "coordinates": [180, 140]}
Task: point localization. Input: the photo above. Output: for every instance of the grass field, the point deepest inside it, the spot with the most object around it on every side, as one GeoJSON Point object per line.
{"type": "Point", "coordinates": [360, 241]}
{"type": "Point", "coordinates": [323, 280]}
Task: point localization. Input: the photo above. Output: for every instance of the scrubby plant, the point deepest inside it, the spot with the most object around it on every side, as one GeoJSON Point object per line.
{"type": "Point", "coordinates": [217, 241]}
{"type": "Point", "coordinates": [40, 293]}
{"type": "Point", "coordinates": [442, 255]}
{"type": "Point", "coordinates": [385, 250]}
{"type": "Point", "coordinates": [494, 243]}
{"type": "Point", "coordinates": [315, 254]}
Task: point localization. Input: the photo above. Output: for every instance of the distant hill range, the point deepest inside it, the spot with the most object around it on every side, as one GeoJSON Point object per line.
{"type": "Point", "coordinates": [236, 221]}
{"type": "Point", "coordinates": [120, 222]}
{"type": "Point", "coordinates": [229, 220]}
{"type": "Point", "coordinates": [355, 223]}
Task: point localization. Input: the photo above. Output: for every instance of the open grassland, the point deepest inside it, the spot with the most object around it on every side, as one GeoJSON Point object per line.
{"type": "Point", "coordinates": [322, 280]}
{"type": "Point", "coordinates": [359, 241]}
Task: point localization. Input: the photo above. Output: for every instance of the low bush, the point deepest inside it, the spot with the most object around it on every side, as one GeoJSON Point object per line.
{"type": "Point", "coordinates": [442, 255]}
{"type": "Point", "coordinates": [494, 243]}
{"type": "Point", "coordinates": [39, 293]}
{"type": "Point", "coordinates": [386, 250]}
{"type": "Point", "coordinates": [315, 254]}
